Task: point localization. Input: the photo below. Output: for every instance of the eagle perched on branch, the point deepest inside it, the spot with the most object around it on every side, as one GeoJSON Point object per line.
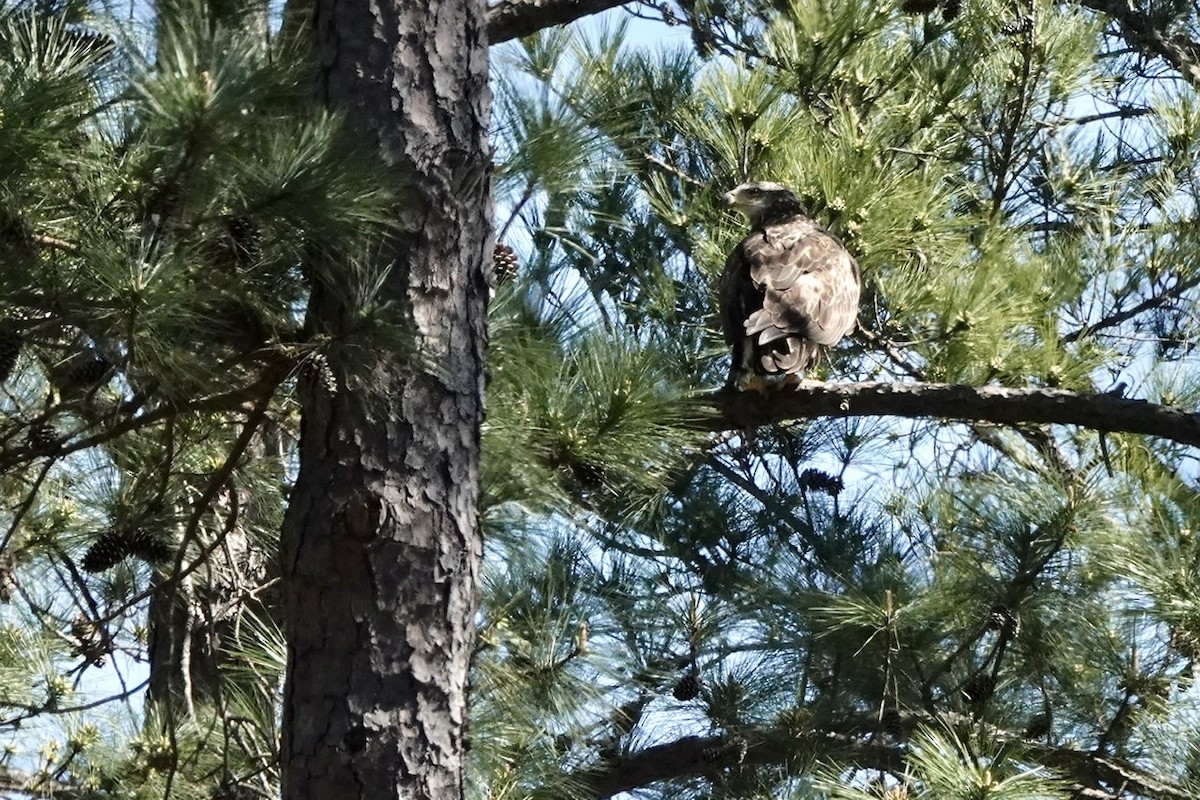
{"type": "Point", "coordinates": [789, 289]}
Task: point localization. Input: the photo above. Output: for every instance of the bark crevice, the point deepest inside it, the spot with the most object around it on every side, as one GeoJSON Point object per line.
{"type": "Point", "coordinates": [379, 633]}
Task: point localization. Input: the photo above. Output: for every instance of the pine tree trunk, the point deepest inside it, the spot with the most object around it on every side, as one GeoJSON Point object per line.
{"type": "Point", "coordinates": [381, 544]}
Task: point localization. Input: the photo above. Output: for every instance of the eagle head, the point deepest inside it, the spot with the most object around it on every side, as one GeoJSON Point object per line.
{"type": "Point", "coordinates": [764, 202]}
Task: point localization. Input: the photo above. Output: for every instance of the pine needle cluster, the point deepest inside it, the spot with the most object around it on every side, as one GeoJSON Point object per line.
{"type": "Point", "coordinates": [934, 610]}
{"type": "Point", "coordinates": [170, 197]}
{"type": "Point", "coordinates": [923, 609]}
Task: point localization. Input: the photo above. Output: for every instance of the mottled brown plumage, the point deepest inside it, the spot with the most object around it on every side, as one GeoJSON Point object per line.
{"type": "Point", "coordinates": [789, 289]}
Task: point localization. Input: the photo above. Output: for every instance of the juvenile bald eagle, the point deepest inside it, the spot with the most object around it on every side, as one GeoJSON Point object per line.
{"type": "Point", "coordinates": [789, 289]}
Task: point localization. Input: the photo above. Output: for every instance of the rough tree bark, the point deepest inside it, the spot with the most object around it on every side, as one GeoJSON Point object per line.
{"type": "Point", "coordinates": [381, 547]}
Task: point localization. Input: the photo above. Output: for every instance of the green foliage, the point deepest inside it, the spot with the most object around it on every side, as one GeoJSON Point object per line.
{"type": "Point", "coordinates": [931, 610]}
{"type": "Point", "coordinates": [839, 608]}
{"type": "Point", "coordinates": [948, 768]}
{"type": "Point", "coordinates": [571, 414]}
{"type": "Point", "coordinates": [163, 221]}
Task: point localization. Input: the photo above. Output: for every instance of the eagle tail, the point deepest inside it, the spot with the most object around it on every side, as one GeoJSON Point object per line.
{"type": "Point", "coordinates": [788, 356]}
{"type": "Point", "coordinates": [776, 359]}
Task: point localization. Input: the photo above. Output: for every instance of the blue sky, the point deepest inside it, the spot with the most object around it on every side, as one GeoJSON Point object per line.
{"type": "Point", "coordinates": [642, 33]}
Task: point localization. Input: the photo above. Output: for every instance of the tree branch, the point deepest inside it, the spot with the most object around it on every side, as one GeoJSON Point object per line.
{"type": "Point", "coordinates": [996, 404]}
{"type": "Point", "coordinates": [38, 784]}
{"type": "Point", "coordinates": [1138, 28]}
{"type": "Point", "coordinates": [1096, 775]}
{"type": "Point", "coordinates": [513, 19]}
{"type": "Point", "coordinates": [1117, 317]}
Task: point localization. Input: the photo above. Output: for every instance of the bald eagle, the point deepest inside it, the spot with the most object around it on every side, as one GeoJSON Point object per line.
{"type": "Point", "coordinates": [789, 289]}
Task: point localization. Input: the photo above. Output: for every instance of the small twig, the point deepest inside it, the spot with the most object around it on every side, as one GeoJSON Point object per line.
{"type": "Point", "coordinates": [655, 161]}
{"type": "Point", "coordinates": [57, 244]}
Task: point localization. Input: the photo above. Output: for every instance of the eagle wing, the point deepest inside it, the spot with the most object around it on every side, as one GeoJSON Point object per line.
{"type": "Point", "coordinates": [787, 291]}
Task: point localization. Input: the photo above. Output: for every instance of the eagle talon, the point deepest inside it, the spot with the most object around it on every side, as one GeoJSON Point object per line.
{"type": "Point", "coordinates": [753, 383]}
{"type": "Point", "coordinates": [798, 382]}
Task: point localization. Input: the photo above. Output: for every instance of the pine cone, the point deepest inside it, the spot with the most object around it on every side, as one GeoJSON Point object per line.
{"type": "Point", "coordinates": [91, 640]}
{"type": "Point", "coordinates": [14, 232]}
{"type": "Point", "coordinates": [1039, 726]}
{"type": "Point", "coordinates": [114, 546]}
{"type": "Point", "coordinates": [587, 474]}
{"type": "Point", "coordinates": [245, 240]}
{"type": "Point", "coordinates": [10, 349]}
{"type": "Point", "coordinates": [316, 369]}
{"type": "Point", "coordinates": [1021, 25]}
{"type": "Point", "coordinates": [892, 723]}
{"type": "Point", "coordinates": [505, 265]}
{"type": "Point", "coordinates": [90, 372]}
{"type": "Point", "coordinates": [1004, 619]}
{"type": "Point", "coordinates": [818, 481]}
{"type": "Point", "coordinates": [733, 749]}
{"type": "Point", "coordinates": [979, 689]}
{"type": "Point", "coordinates": [107, 551]}
{"type": "Point", "coordinates": [8, 580]}
{"type": "Point", "coordinates": [83, 375]}
{"type": "Point", "coordinates": [688, 687]}
{"type": "Point", "coordinates": [42, 438]}
{"type": "Point", "coordinates": [1186, 642]}
{"type": "Point", "coordinates": [149, 547]}
{"type": "Point", "coordinates": [951, 9]}
{"type": "Point", "coordinates": [918, 6]}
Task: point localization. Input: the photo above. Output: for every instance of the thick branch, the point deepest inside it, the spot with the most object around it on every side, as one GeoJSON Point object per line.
{"type": "Point", "coordinates": [710, 755]}
{"type": "Point", "coordinates": [1095, 775]}
{"type": "Point", "coordinates": [512, 19]}
{"type": "Point", "coordinates": [996, 404]}
{"type": "Point", "coordinates": [1139, 29]}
